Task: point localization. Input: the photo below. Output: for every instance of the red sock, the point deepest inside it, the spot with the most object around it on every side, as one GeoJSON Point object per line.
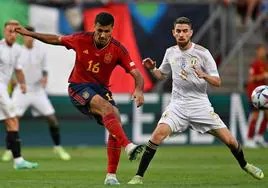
{"type": "Point", "coordinates": [113, 154]}
{"type": "Point", "coordinates": [115, 129]}
{"type": "Point", "coordinates": [251, 129]}
{"type": "Point", "coordinates": [262, 127]}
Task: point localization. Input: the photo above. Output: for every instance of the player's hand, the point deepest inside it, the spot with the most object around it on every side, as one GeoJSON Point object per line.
{"type": "Point", "coordinates": [23, 88]}
{"type": "Point", "coordinates": [199, 72]}
{"type": "Point", "coordinates": [43, 81]}
{"type": "Point", "coordinates": [138, 97]}
{"type": "Point", "coordinates": [149, 63]}
{"type": "Point", "coordinates": [21, 30]}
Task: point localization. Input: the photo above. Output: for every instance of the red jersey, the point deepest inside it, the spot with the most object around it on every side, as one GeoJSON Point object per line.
{"type": "Point", "coordinates": [93, 65]}
{"type": "Point", "coordinates": [258, 67]}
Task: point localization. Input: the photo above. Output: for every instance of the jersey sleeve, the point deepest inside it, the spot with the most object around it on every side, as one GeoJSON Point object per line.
{"type": "Point", "coordinates": [70, 41]}
{"type": "Point", "coordinates": [165, 66]}
{"type": "Point", "coordinates": [210, 65]}
{"type": "Point", "coordinates": [125, 59]}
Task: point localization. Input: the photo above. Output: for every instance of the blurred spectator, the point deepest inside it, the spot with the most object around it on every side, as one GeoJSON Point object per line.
{"type": "Point", "coordinates": [247, 9]}
{"type": "Point", "coordinates": [258, 75]}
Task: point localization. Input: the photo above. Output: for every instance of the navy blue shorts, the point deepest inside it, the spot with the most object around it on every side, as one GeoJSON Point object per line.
{"type": "Point", "coordinates": [81, 95]}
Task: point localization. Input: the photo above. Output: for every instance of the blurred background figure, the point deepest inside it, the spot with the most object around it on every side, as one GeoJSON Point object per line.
{"type": "Point", "coordinates": [9, 54]}
{"type": "Point", "coordinates": [258, 75]}
{"type": "Point", "coordinates": [247, 9]}
{"type": "Point", "coordinates": [33, 59]}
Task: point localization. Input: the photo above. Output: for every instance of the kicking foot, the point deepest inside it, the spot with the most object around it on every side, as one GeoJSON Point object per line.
{"type": "Point", "coordinates": [7, 156]}
{"type": "Point", "coordinates": [134, 151]}
{"type": "Point", "coordinates": [254, 171]}
{"type": "Point", "coordinates": [136, 180]}
{"type": "Point", "coordinates": [111, 180]}
{"type": "Point", "coordinates": [25, 165]}
{"type": "Point", "coordinates": [58, 150]}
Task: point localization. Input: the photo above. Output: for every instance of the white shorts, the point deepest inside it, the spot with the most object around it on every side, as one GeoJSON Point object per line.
{"type": "Point", "coordinates": [7, 108]}
{"type": "Point", "coordinates": [37, 100]}
{"type": "Point", "coordinates": [201, 119]}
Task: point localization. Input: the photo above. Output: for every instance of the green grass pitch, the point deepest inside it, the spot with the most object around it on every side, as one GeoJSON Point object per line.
{"type": "Point", "coordinates": [173, 166]}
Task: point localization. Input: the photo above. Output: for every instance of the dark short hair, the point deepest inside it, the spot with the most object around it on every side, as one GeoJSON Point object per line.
{"type": "Point", "coordinates": [29, 28]}
{"type": "Point", "coordinates": [11, 22]}
{"type": "Point", "coordinates": [104, 19]}
{"type": "Point", "coordinates": [183, 20]}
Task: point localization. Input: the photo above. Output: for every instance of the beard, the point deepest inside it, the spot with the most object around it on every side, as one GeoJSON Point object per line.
{"type": "Point", "coordinates": [183, 44]}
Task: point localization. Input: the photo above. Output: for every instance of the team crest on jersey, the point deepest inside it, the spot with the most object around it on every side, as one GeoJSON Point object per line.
{"type": "Point", "coordinates": [108, 58]}
{"type": "Point", "coordinates": [165, 115]}
{"type": "Point", "coordinates": [85, 95]}
{"type": "Point", "coordinates": [193, 60]}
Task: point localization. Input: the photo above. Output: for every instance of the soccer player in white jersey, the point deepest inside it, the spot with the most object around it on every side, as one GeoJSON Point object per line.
{"type": "Point", "coordinates": [192, 67]}
{"type": "Point", "coordinates": [9, 53]}
{"type": "Point", "coordinates": [35, 70]}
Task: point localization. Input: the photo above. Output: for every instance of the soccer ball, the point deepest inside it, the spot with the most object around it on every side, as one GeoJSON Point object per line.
{"type": "Point", "coordinates": [259, 97]}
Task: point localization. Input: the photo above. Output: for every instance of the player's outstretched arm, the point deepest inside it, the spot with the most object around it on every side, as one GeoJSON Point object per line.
{"type": "Point", "coordinates": [151, 65]}
{"type": "Point", "coordinates": [46, 38]}
{"type": "Point", "coordinates": [139, 84]}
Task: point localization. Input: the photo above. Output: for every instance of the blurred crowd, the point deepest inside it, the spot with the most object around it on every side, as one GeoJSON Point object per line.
{"type": "Point", "coordinates": [248, 9]}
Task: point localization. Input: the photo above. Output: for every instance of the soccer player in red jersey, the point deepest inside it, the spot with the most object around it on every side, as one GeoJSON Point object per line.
{"type": "Point", "coordinates": [97, 54]}
{"type": "Point", "coordinates": [258, 75]}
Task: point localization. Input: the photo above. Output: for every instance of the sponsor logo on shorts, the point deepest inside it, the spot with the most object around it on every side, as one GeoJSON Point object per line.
{"type": "Point", "coordinates": [85, 95]}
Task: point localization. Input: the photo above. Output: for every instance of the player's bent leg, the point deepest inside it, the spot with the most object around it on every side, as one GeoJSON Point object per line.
{"type": "Point", "coordinates": [101, 107]}
{"type": "Point", "coordinates": [55, 135]}
{"type": "Point", "coordinates": [13, 140]}
{"type": "Point", "coordinates": [159, 134]}
{"type": "Point", "coordinates": [236, 149]}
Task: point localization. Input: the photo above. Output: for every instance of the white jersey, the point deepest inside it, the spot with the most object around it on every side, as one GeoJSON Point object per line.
{"type": "Point", "coordinates": [8, 61]}
{"type": "Point", "coordinates": [34, 63]}
{"type": "Point", "coordinates": [189, 106]}
{"type": "Point", "coordinates": [187, 88]}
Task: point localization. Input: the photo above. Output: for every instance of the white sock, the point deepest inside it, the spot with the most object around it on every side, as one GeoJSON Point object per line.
{"type": "Point", "coordinates": [18, 160]}
{"type": "Point", "coordinates": [111, 175]}
{"type": "Point", "coordinates": [129, 147]}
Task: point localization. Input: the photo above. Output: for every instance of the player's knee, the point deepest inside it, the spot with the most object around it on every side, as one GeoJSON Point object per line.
{"type": "Point", "coordinates": [158, 138]}
{"type": "Point", "coordinates": [12, 124]}
{"type": "Point", "coordinates": [52, 121]}
{"type": "Point", "coordinates": [231, 143]}
{"type": "Point", "coordinates": [106, 109]}
{"type": "Point", "coordinates": [159, 135]}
